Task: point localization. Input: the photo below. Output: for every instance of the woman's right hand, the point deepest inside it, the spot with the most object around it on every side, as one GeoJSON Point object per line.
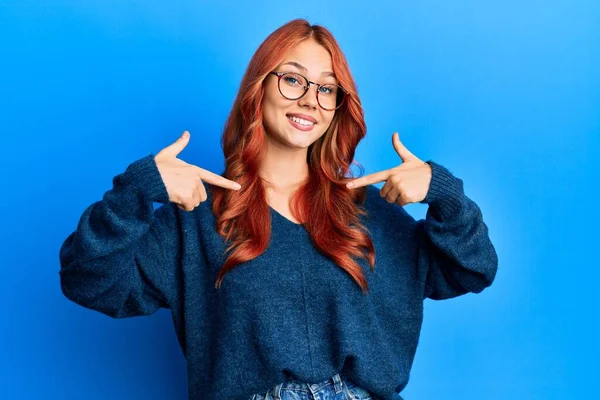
{"type": "Point", "coordinates": [184, 181]}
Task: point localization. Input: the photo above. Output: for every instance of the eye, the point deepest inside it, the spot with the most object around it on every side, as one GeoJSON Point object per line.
{"type": "Point", "coordinates": [328, 89]}
{"type": "Point", "coordinates": [292, 79]}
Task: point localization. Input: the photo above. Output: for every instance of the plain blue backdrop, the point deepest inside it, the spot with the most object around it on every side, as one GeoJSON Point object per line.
{"type": "Point", "coordinates": [506, 94]}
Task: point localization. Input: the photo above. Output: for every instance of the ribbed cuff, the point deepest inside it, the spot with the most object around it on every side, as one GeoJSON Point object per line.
{"type": "Point", "coordinates": [446, 192]}
{"type": "Point", "coordinates": [144, 174]}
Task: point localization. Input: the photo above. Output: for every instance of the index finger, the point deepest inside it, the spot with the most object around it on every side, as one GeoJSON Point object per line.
{"type": "Point", "coordinates": [218, 180]}
{"type": "Point", "coordinates": [370, 179]}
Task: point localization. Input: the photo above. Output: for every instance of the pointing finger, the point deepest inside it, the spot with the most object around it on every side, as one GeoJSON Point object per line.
{"type": "Point", "coordinates": [369, 179]}
{"type": "Point", "coordinates": [218, 180]}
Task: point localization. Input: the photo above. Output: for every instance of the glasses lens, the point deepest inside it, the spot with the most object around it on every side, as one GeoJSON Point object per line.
{"type": "Point", "coordinates": [330, 96]}
{"type": "Point", "coordinates": [292, 86]}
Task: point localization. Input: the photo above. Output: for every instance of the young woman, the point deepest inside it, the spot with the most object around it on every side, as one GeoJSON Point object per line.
{"type": "Point", "coordinates": [271, 275]}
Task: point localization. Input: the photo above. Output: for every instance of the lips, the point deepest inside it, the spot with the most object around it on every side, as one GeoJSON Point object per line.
{"type": "Point", "coordinates": [303, 116]}
{"type": "Point", "coordinates": [304, 125]}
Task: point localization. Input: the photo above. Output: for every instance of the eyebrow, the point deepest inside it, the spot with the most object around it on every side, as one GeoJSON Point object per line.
{"type": "Point", "coordinates": [303, 68]}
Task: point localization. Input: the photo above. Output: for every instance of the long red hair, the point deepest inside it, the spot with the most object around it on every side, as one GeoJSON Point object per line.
{"type": "Point", "coordinates": [328, 210]}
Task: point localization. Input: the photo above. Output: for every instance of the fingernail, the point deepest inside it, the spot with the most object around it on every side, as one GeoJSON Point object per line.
{"type": "Point", "coordinates": [349, 184]}
{"type": "Point", "coordinates": [237, 186]}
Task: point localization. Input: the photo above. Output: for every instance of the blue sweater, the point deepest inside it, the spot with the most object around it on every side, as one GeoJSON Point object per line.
{"type": "Point", "coordinates": [291, 313]}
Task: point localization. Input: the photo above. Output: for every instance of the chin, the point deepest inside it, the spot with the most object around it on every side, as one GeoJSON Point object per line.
{"type": "Point", "coordinates": [303, 139]}
{"type": "Point", "coordinates": [300, 144]}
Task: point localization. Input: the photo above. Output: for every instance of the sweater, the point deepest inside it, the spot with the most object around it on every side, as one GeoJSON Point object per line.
{"type": "Point", "coordinates": [290, 313]}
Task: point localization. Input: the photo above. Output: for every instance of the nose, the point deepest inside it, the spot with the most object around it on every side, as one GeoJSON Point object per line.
{"type": "Point", "coordinates": [310, 98]}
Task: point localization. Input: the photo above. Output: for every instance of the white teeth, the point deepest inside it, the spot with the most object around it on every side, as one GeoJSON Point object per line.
{"type": "Point", "coordinates": [301, 121]}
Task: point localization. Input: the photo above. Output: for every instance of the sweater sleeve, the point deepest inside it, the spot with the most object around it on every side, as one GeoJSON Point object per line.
{"type": "Point", "coordinates": [122, 259]}
{"type": "Point", "coordinates": [455, 250]}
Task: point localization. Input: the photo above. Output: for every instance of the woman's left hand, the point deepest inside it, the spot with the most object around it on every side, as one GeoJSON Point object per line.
{"type": "Point", "coordinates": [407, 183]}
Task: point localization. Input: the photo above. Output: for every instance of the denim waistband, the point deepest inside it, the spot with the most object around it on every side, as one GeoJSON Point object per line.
{"type": "Point", "coordinates": [334, 384]}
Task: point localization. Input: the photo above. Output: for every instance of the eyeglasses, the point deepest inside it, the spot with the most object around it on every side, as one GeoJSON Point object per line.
{"type": "Point", "coordinates": [293, 86]}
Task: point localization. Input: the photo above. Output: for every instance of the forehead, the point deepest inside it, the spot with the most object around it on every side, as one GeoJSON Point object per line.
{"type": "Point", "coordinates": [314, 57]}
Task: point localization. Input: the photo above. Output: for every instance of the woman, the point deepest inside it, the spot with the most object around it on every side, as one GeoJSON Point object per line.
{"type": "Point", "coordinates": [271, 275]}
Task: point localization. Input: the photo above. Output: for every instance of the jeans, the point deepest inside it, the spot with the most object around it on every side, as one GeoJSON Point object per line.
{"type": "Point", "coordinates": [338, 387]}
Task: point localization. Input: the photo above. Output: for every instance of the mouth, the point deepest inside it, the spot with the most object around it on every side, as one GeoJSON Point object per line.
{"type": "Point", "coordinates": [301, 122]}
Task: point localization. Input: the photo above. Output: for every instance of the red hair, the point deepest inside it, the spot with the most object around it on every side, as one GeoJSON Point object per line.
{"type": "Point", "coordinates": [328, 210]}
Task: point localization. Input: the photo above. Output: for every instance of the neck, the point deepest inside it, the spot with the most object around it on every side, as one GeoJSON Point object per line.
{"type": "Point", "coordinates": [284, 168]}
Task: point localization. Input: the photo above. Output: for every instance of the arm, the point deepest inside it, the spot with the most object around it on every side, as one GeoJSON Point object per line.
{"type": "Point", "coordinates": [455, 250]}
{"type": "Point", "coordinates": [122, 260]}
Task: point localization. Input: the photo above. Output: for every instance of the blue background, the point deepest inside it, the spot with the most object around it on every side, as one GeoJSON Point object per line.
{"type": "Point", "coordinates": [506, 94]}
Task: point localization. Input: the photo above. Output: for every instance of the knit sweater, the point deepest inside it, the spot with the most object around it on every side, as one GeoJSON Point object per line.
{"type": "Point", "coordinates": [290, 313]}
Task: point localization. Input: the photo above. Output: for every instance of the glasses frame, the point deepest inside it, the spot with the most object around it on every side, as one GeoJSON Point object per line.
{"type": "Point", "coordinates": [307, 88]}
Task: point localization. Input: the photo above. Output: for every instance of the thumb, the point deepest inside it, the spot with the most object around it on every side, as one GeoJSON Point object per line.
{"type": "Point", "coordinates": [177, 147]}
{"type": "Point", "coordinates": [402, 151]}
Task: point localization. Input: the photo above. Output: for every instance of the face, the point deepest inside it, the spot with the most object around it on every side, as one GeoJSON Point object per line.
{"type": "Point", "coordinates": [298, 123]}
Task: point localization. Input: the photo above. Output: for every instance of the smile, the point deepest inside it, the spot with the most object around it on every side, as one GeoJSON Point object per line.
{"type": "Point", "coordinates": [301, 124]}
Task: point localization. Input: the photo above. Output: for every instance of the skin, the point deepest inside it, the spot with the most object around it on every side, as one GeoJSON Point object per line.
{"type": "Point", "coordinates": [183, 181]}
{"type": "Point", "coordinates": [284, 166]}
{"type": "Point", "coordinates": [404, 184]}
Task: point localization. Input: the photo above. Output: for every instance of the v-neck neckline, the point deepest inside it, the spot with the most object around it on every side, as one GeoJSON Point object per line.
{"type": "Point", "coordinates": [286, 219]}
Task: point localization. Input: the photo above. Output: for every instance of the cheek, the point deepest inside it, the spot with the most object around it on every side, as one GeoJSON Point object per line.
{"type": "Point", "coordinates": [274, 107]}
{"type": "Point", "coordinates": [270, 107]}
{"type": "Point", "coordinates": [326, 122]}
{"type": "Point", "coordinates": [270, 113]}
